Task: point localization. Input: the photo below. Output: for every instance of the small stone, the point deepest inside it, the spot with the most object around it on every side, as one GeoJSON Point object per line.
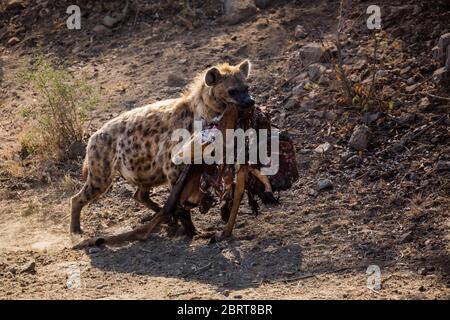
{"type": "Point", "coordinates": [291, 103]}
{"type": "Point", "coordinates": [13, 41]}
{"type": "Point", "coordinates": [424, 103]}
{"type": "Point", "coordinates": [422, 271]}
{"type": "Point", "coordinates": [441, 75]}
{"type": "Point", "coordinates": [306, 106]}
{"type": "Point", "coordinates": [323, 148]}
{"type": "Point", "coordinates": [316, 230]}
{"type": "Point", "coordinates": [29, 267]}
{"type": "Point", "coordinates": [237, 296]}
{"type": "Point", "coordinates": [300, 32]}
{"type": "Point", "coordinates": [315, 71]}
{"type": "Point", "coordinates": [360, 138]}
{"type": "Point", "coordinates": [100, 29]}
{"type": "Point", "coordinates": [299, 89]}
{"type": "Point", "coordinates": [354, 160]}
{"type": "Point", "coordinates": [324, 184]}
{"type": "Point", "coordinates": [93, 250]}
{"type": "Point", "coordinates": [406, 237]}
{"type": "Point", "coordinates": [262, 4]}
{"type": "Point", "coordinates": [182, 61]}
{"type": "Point", "coordinates": [174, 80]}
{"type": "Point", "coordinates": [422, 289]}
{"type": "Point", "coordinates": [405, 70]}
{"type": "Point", "coordinates": [311, 53]}
{"type": "Point", "coordinates": [12, 269]}
{"type": "Point", "coordinates": [442, 165]}
{"type": "Point", "coordinates": [312, 192]}
{"type": "Point", "coordinates": [443, 43]}
{"type": "Point", "coordinates": [381, 73]}
{"type": "Point", "coordinates": [411, 88]}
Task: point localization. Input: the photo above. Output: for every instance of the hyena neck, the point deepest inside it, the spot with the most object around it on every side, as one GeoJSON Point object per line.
{"type": "Point", "coordinates": [204, 104]}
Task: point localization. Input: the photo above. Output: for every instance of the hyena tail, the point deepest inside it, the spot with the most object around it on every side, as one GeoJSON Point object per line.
{"type": "Point", "coordinates": [85, 169]}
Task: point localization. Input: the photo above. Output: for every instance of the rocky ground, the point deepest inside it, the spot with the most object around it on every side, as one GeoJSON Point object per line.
{"type": "Point", "coordinates": [374, 167]}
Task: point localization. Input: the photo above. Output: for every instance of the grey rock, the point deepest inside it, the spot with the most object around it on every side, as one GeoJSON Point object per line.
{"type": "Point", "coordinates": [315, 71]}
{"type": "Point", "coordinates": [237, 11]}
{"type": "Point", "coordinates": [323, 148]}
{"type": "Point", "coordinates": [424, 103]}
{"type": "Point", "coordinates": [315, 230]}
{"type": "Point", "coordinates": [300, 32]}
{"type": "Point", "coordinates": [360, 138]}
{"type": "Point", "coordinates": [100, 29]}
{"type": "Point", "coordinates": [174, 80]}
{"type": "Point", "coordinates": [441, 75]}
{"type": "Point", "coordinates": [93, 250]}
{"type": "Point", "coordinates": [262, 4]}
{"type": "Point", "coordinates": [29, 267]}
{"type": "Point", "coordinates": [312, 192]}
{"type": "Point", "coordinates": [443, 43]}
{"type": "Point", "coordinates": [291, 103]}
{"type": "Point", "coordinates": [306, 106]}
{"type": "Point", "coordinates": [311, 53]}
{"type": "Point", "coordinates": [324, 184]}
{"type": "Point", "coordinates": [406, 237]}
{"type": "Point", "coordinates": [442, 165]}
{"type": "Point", "coordinates": [299, 89]}
{"type": "Point", "coordinates": [353, 160]}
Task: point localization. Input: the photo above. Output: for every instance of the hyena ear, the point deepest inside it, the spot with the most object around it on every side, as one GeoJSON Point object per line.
{"type": "Point", "coordinates": [213, 77]}
{"type": "Point", "coordinates": [245, 67]}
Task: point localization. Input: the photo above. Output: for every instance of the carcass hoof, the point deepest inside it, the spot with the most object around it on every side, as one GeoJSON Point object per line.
{"type": "Point", "coordinates": [217, 237]}
{"type": "Point", "coordinates": [98, 241]}
{"type": "Point", "coordinates": [268, 197]}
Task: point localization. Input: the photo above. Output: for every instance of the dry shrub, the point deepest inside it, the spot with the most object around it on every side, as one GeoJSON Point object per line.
{"type": "Point", "coordinates": [60, 109]}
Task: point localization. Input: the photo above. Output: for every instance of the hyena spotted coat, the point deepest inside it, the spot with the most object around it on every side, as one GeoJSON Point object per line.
{"type": "Point", "coordinates": [137, 144]}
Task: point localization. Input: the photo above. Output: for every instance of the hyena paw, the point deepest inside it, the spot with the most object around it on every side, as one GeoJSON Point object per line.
{"type": "Point", "coordinates": [75, 229]}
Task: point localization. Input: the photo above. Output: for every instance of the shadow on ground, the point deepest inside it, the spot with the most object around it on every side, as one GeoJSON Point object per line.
{"type": "Point", "coordinates": [230, 266]}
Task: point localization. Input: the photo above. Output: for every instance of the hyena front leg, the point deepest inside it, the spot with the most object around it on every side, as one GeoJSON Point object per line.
{"type": "Point", "coordinates": [142, 195]}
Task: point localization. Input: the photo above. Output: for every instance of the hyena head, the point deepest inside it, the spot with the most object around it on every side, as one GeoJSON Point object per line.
{"type": "Point", "coordinates": [229, 84]}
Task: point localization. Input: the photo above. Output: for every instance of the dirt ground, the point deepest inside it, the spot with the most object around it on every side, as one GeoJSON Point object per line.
{"type": "Point", "coordinates": [388, 206]}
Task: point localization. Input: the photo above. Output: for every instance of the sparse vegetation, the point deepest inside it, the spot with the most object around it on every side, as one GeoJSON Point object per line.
{"type": "Point", "coordinates": [60, 110]}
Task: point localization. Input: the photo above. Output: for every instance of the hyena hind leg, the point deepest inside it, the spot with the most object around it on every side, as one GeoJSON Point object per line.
{"type": "Point", "coordinates": [88, 193]}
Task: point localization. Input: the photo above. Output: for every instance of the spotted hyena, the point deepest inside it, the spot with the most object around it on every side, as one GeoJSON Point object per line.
{"type": "Point", "coordinates": [137, 144]}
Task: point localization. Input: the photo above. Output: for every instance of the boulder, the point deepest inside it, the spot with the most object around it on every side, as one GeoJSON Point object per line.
{"type": "Point", "coordinates": [262, 4]}
{"type": "Point", "coordinates": [312, 53]}
{"type": "Point", "coordinates": [237, 11]}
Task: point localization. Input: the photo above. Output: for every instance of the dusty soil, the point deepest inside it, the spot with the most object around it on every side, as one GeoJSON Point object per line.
{"type": "Point", "coordinates": [389, 205]}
